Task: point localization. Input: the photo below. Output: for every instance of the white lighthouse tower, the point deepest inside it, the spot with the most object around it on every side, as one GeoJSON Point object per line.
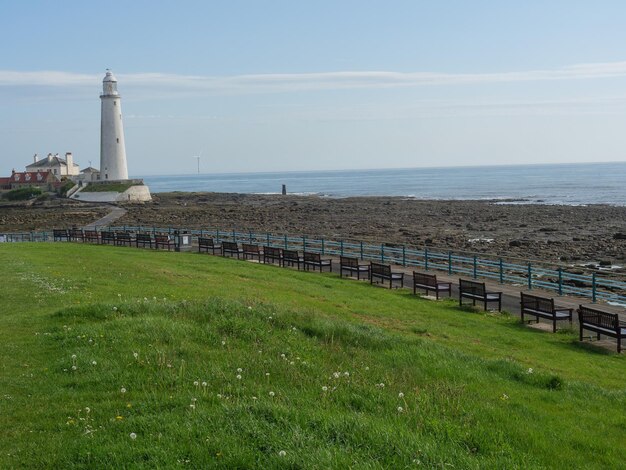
{"type": "Point", "coordinates": [112, 148]}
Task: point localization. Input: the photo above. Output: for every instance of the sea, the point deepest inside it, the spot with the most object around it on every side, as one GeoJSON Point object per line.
{"type": "Point", "coordinates": [560, 184]}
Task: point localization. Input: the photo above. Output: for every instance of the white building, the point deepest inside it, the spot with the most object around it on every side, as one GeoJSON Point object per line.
{"type": "Point", "coordinates": [56, 165]}
{"type": "Point", "coordinates": [112, 147]}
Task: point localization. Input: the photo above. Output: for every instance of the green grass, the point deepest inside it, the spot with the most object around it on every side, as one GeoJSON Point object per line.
{"type": "Point", "coordinates": [106, 187]}
{"type": "Point", "coordinates": [155, 323]}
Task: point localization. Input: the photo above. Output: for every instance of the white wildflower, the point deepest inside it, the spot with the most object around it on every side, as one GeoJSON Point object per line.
{"type": "Point", "coordinates": [133, 436]}
{"type": "Point", "coordinates": [400, 395]}
{"type": "Point", "coordinates": [282, 453]}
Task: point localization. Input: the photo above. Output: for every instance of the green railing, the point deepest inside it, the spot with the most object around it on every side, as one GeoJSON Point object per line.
{"type": "Point", "coordinates": [527, 275]}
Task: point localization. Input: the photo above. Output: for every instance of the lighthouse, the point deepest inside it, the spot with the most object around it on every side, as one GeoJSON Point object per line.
{"type": "Point", "coordinates": [112, 147]}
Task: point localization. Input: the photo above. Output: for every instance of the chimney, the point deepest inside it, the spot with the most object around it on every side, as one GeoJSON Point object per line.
{"type": "Point", "coordinates": [70, 162]}
{"type": "Point", "coordinates": [49, 157]}
{"type": "Point", "coordinates": [35, 158]}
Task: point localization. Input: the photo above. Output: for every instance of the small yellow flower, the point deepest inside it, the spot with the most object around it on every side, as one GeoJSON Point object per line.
{"type": "Point", "coordinates": [119, 418]}
{"type": "Point", "coordinates": [128, 405]}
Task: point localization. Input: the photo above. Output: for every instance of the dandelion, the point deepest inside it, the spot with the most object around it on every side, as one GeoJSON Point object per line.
{"type": "Point", "coordinates": [504, 397]}
{"type": "Point", "coordinates": [204, 384]}
{"type": "Point", "coordinates": [192, 406]}
{"type": "Point", "coordinates": [249, 307]}
{"type": "Point", "coordinates": [115, 309]}
{"type": "Point", "coordinates": [267, 374]}
{"type": "Point", "coordinates": [238, 377]}
{"type": "Point", "coordinates": [74, 367]}
{"type": "Point", "coordinates": [87, 409]}
{"type": "Point", "coordinates": [119, 295]}
{"type": "Point", "coordinates": [94, 363]}
{"type": "Point", "coordinates": [336, 375]}
{"type": "Point", "coordinates": [135, 355]}
{"type": "Point", "coordinates": [73, 356]}
{"type": "Point", "coordinates": [254, 398]}
{"type": "Point", "coordinates": [282, 453]}
{"type": "Point", "coordinates": [530, 370]}
{"type": "Point", "coordinates": [346, 374]}
{"type": "Point", "coordinates": [324, 388]}
{"type": "Point", "coordinates": [282, 356]}
{"type": "Point", "coordinates": [195, 382]}
{"type": "Point", "coordinates": [128, 405]}
{"type": "Point", "coordinates": [400, 409]}
{"type": "Point", "coordinates": [123, 390]}
{"type": "Point", "coordinates": [239, 370]}
{"type": "Point", "coordinates": [223, 343]}
{"type": "Point", "coordinates": [119, 418]}
{"type": "Point", "coordinates": [133, 436]}
{"type": "Point", "coordinates": [145, 299]}
{"type": "Point", "coordinates": [291, 363]}
{"type": "Point", "coordinates": [272, 394]}
{"type": "Point", "coordinates": [153, 298]}
{"type": "Point", "coordinates": [367, 368]}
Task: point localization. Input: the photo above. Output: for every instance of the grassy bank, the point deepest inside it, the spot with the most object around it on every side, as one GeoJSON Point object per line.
{"type": "Point", "coordinates": [116, 357]}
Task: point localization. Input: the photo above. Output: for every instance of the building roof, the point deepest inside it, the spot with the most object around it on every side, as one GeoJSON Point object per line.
{"type": "Point", "coordinates": [109, 77]}
{"type": "Point", "coordinates": [5, 181]}
{"type": "Point", "coordinates": [90, 169]}
{"type": "Point", "coordinates": [44, 162]}
{"type": "Point", "coordinates": [29, 177]}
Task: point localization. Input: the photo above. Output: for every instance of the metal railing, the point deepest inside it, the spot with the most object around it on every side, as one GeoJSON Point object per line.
{"type": "Point", "coordinates": [527, 275]}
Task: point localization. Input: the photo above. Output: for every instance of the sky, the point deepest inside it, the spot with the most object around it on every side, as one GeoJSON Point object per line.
{"type": "Point", "coordinates": [313, 85]}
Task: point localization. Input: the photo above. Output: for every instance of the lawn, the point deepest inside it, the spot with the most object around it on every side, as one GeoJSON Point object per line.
{"type": "Point", "coordinates": [125, 358]}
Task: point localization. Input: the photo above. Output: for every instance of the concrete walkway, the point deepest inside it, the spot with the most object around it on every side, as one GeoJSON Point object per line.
{"type": "Point", "coordinates": [116, 213]}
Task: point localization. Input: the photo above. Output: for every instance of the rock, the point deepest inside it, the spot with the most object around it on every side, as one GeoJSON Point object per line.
{"type": "Point", "coordinates": [515, 243]}
{"type": "Point", "coordinates": [605, 262]}
{"type": "Point", "coordinates": [619, 236]}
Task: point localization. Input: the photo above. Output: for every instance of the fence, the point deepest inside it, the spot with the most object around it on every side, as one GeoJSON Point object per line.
{"type": "Point", "coordinates": [529, 275]}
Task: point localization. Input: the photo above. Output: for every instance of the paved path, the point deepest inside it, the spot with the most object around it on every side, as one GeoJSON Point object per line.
{"type": "Point", "coordinates": [116, 213]}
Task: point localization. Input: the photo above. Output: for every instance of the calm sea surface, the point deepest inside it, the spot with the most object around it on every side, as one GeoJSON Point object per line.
{"type": "Point", "coordinates": [572, 184]}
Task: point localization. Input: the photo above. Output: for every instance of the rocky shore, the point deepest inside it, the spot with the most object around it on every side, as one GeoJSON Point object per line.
{"type": "Point", "coordinates": [566, 234]}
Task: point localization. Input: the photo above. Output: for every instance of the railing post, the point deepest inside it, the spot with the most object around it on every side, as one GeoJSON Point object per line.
{"type": "Point", "coordinates": [560, 281]}
{"type": "Point", "coordinates": [382, 253]}
{"type": "Point", "coordinates": [425, 259]}
{"type": "Point", "coordinates": [403, 255]}
{"type": "Point", "coordinates": [501, 272]}
{"type": "Point", "coordinates": [234, 236]}
{"type": "Point", "coordinates": [286, 242]}
{"type": "Point", "coordinates": [475, 267]}
{"type": "Point", "coordinates": [361, 251]}
{"type": "Point", "coordinates": [341, 247]}
{"type": "Point", "coordinates": [250, 236]}
{"type": "Point", "coordinates": [217, 235]}
{"type": "Point", "coordinates": [303, 242]}
{"type": "Point", "coordinates": [593, 288]}
{"type": "Point", "coordinates": [449, 263]}
{"type": "Point", "coordinates": [322, 246]}
{"type": "Point", "coordinates": [267, 236]}
{"type": "Point", "coordinates": [530, 276]}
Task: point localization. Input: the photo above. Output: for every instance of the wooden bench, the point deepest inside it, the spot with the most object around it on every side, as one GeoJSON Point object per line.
{"type": "Point", "coordinates": [107, 237]}
{"type": "Point", "coordinates": [291, 257]}
{"type": "Point", "coordinates": [123, 239]}
{"type": "Point", "coordinates": [272, 254]}
{"type": "Point", "coordinates": [76, 234]}
{"type": "Point", "coordinates": [163, 241]}
{"type": "Point", "coordinates": [477, 291]}
{"type": "Point", "coordinates": [429, 282]}
{"type": "Point", "coordinates": [314, 260]}
{"type": "Point", "coordinates": [143, 240]}
{"type": "Point", "coordinates": [207, 244]}
{"type": "Point", "coordinates": [231, 248]}
{"type": "Point", "coordinates": [543, 307]}
{"type": "Point", "coordinates": [384, 273]}
{"type": "Point", "coordinates": [60, 234]}
{"type": "Point", "coordinates": [602, 322]}
{"type": "Point", "coordinates": [251, 251]}
{"type": "Point", "coordinates": [353, 267]}
{"type": "Point", "coordinates": [92, 236]}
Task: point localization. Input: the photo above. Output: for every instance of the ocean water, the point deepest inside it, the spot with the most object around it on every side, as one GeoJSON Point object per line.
{"type": "Point", "coordinates": [569, 184]}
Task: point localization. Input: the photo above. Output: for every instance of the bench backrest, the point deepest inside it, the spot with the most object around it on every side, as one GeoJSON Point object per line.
{"type": "Point", "coordinates": [291, 255]}
{"type": "Point", "coordinates": [349, 261]}
{"type": "Point", "coordinates": [314, 257]}
{"type": "Point", "coordinates": [122, 235]}
{"type": "Point", "coordinates": [380, 269]}
{"type": "Point", "coordinates": [144, 237]}
{"type": "Point", "coordinates": [59, 232]}
{"type": "Point", "coordinates": [206, 242]}
{"type": "Point", "coordinates": [424, 279]}
{"type": "Point", "coordinates": [92, 234]}
{"type": "Point", "coordinates": [230, 246]}
{"type": "Point", "coordinates": [471, 287]}
{"type": "Point", "coordinates": [247, 248]}
{"type": "Point", "coordinates": [76, 233]}
{"type": "Point", "coordinates": [271, 251]}
{"type": "Point", "coordinates": [534, 302]}
{"type": "Point", "coordinates": [162, 238]}
{"type": "Point", "coordinates": [105, 235]}
{"type": "Point", "coordinates": [599, 318]}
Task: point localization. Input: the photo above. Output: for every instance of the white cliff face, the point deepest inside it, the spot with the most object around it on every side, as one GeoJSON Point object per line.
{"type": "Point", "coordinates": [112, 148]}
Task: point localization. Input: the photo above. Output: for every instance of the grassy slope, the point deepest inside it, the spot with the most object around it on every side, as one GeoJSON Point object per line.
{"type": "Point", "coordinates": [468, 399]}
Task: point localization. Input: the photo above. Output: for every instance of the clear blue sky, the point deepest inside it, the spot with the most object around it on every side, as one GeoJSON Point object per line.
{"type": "Point", "coordinates": [297, 85]}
